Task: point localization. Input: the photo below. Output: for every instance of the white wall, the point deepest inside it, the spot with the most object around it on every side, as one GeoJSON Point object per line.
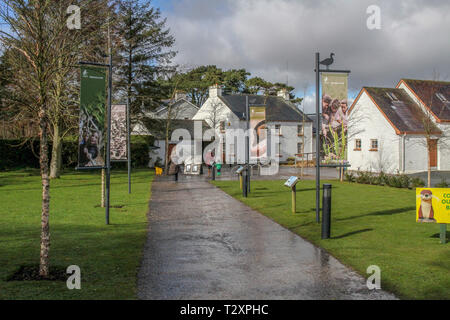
{"type": "Point", "coordinates": [416, 154]}
{"type": "Point", "coordinates": [366, 122]}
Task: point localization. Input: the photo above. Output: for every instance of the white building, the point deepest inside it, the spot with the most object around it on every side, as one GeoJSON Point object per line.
{"type": "Point", "coordinates": [223, 112]}
{"type": "Point", "coordinates": [388, 128]}
{"type": "Point", "coordinates": [180, 112]}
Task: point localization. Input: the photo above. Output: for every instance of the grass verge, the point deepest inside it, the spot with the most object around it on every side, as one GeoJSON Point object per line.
{"type": "Point", "coordinates": [371, 225]}
{"type": "Point", "coordinates": [109, 256]}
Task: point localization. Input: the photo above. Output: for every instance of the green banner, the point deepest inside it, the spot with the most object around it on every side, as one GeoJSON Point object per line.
{"type": "Point", "coordinates": [92, 138]}
{"type": "Point", "coordinates": [334, 117]}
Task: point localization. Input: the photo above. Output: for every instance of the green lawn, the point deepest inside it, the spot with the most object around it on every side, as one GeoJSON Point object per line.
{"type": "Point", "coordinates": [109, 256]}
{"type": "Point", "coordinates": [371, 225]}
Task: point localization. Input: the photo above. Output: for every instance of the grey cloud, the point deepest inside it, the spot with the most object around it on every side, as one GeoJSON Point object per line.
{"type": "Point", "coordinates": [263, 35]}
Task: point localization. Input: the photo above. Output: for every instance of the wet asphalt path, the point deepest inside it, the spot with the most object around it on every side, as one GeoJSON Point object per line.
{"type": "Point", "coordinates": [204, 244]}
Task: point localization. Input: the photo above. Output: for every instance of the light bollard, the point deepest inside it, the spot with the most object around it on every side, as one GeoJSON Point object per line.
{"type": "Point", "coordinates": [294, 199]}
{"type": "Point", "coordinates": [326, 211]}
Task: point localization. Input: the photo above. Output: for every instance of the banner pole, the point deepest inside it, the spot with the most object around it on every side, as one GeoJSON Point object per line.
{"type": "Point", "coordinates": [317, 138]}
{"type": "Point", "coordinates": [129, 147]}
{"type": "Point", "coordinates": [108, 140]}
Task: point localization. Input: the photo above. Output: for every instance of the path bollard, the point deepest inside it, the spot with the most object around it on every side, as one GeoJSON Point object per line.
{"type": "Point", "coordinates": [240, 181]}
{"type": "Point", "coordinates": [294, 199]}
{"type": "Point", "coordinates": [326, 211]}
{"type": "Point", "coordinates": [244, 186]}
{"type": "Point", "coordinates": [213, 171]}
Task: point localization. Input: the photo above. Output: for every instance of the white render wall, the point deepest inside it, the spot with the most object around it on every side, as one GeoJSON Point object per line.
{"type": "Point", "coordinates": [289, 134]}
{"type": "Point", "coordinates": [416, 154]}
{"type": "Point", "coordinates": [366, 122]}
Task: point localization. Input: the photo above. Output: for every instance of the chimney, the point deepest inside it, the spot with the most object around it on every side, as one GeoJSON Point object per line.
{"type": "Point", "coordinates": [180, 95]}
{"type": "Point", "coordinates": [283, 93]}
{"type": "Point", "coordinates": [215, 91]}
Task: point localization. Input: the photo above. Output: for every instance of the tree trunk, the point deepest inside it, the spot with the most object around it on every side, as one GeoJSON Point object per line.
{"type": "Point", "coordinates": [45, 226]}
{"type": "Point", "coordinates": [103, 188]}
{"type": "Point", "coordinates": [56, 161]}
{"type": "Point", "coordinates": [429, 164]}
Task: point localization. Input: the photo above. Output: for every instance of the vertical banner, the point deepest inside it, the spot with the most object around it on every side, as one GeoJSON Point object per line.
{"type": "Point", "coordinates": [258, 136]}
{"type": "Point", "coordinates": [334, 117]}
{"type": "Point", "coordinates": [119, 132]}
{"type": "Point", "coordinates": [91, 147]}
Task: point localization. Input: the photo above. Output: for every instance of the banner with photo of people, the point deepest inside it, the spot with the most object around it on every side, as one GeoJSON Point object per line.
{"type": "Point", "coordinates": [119, 132]}
{"type": "Point", "coordinates": [258, 138]}
{"type": "Point", "coordinates": [91, 147]}
{"type": "Point", "coordinates": [334, 117]}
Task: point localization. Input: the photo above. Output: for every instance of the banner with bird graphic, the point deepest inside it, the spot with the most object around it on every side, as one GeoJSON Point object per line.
{"type": "Point", "coordinates": [91, 147]}
{"type": "Point", "coordinates": [334, 117]}
{"type": "Point", "coordinates": [433, 205]}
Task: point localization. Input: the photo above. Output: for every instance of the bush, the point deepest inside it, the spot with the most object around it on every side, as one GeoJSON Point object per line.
{"type": "Point", "coordinates": [349, 176]}
{"type": "Point", "coordinates": [363, 177]}
{"type": "Point", "coordinates": [382, 179]}
{"type": "Point", "coordinates": [416, 182]}
{"type": "Point", "coordinates": [403, 181]}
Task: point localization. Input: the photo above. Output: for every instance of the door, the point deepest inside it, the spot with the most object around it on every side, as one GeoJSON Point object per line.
{"type": "Point", "coordinates": [432, 149]}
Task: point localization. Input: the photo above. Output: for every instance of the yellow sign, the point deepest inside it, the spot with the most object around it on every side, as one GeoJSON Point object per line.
{"type": "Point", "coordinates": [433, 205]}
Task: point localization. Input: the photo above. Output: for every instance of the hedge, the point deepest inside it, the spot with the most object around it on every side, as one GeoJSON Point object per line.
{"type": "Point", "coordinates": [15, 154]}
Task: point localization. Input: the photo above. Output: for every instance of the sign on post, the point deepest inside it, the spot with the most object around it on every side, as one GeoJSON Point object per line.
{"type": "Point", "coordinates": [291, 183]}
{"type": "Point", "coordinates": [433, 205]}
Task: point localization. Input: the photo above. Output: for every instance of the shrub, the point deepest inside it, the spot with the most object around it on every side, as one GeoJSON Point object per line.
{"type": "Point", "coordinates": [349, 176]}
{"type": "Point", "coordinates": [363, 177]}
{"type": "Point", "coordinates": [416, 182]}
{"type": "Point", "coordinates": [403, 181]}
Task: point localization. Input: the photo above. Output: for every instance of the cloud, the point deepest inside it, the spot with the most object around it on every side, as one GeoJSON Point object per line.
{"type": "Point", "coordinates": [277, 39]}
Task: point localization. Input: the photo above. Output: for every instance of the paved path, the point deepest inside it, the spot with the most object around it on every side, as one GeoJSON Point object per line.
{"type": "Point", "coordinates": [204, 244]}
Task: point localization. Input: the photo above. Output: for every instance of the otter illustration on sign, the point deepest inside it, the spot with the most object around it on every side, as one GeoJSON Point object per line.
{"type": "Point", "coordinates": [426, 212]}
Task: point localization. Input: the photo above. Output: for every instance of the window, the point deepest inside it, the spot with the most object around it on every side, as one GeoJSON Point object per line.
{"type": "Point", "coordinates": [392, 96]}
{"type": "Point", "coordinates": [278, 129]}
{"type": "Point", "coordinates": [373, 145]}
{"type": "Point", "coordinates": [441, 97]}
{"type": "Point", "coordinates": [300, 130]}
{"type": "Point", "coordinates": [358, 145]}
{"type": "Point", "coordinates": [222, 126]}
{"type": "Point", "coordinates": [299, 148]}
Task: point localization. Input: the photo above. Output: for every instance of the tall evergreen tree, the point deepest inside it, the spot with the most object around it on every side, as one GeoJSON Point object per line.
{"type": "Point", "coordinates": [144, 51]}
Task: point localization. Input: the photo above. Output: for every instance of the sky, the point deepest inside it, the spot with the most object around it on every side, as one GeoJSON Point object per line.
{"type": "Point", "coordinates": [277, 39]}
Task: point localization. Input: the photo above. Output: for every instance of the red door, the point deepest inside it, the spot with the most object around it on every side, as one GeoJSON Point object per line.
{"type": "Point", "coordinates": [432, 149]}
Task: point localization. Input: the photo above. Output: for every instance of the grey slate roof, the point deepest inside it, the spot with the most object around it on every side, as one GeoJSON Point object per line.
{"type": "Point", "coordinates": [277, 109]}
{"type": "Point", "coordinates": [426, 90]}
{"type": "Point", "coordinates": [405, 115]}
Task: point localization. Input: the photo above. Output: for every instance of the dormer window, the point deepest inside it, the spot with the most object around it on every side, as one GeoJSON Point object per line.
{"type": "Point", "coordinates": [392, 96]}
{"type": "Point", "coordinates": [441, 97]}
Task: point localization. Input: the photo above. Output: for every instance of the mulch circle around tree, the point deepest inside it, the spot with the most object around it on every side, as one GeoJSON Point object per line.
{"type": "Point", "coordinates": [31, 273]}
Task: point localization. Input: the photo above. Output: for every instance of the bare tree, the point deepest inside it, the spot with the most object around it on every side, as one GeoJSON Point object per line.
{"type": "Point", "coordinates": [38, 45]}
